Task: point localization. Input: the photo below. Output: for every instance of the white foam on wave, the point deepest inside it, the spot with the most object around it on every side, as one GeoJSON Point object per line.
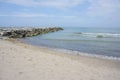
{"type": "Point", "coordinates": [88, 54]}
{"type": "Point", "coordinates": [111, 35]}
{"type": "Point", "coordinates": [72, 52]}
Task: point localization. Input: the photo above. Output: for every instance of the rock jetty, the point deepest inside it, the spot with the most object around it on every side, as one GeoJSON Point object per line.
{"type": "Point", "coordinates": [26, 32]}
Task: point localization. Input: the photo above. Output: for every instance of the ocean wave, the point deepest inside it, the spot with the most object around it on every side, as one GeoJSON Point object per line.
{"type": "Point", "coordinates": [84, 40]}
{"type": "Point", "coordinates": [98, 35]}
{"type": "Point", "coordinates": [88, 54]}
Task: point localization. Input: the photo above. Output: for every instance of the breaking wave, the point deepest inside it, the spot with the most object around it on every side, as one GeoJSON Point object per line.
{"type": "Point", "coordinates": [98, 35]}
{"type": "Point", "coordinates": [88, 54]}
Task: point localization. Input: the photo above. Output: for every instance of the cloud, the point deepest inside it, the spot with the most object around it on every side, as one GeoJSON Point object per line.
{"type": "Point", "coordinates": [51, 3]}
{"type": "Point", "coordinates": [24, 15]}
{"type": "Point", "coordinates": [62, 3]}
{"type": "Point", "coordinates": [28, 15]}
{"type": "Point", "coordinates": [21, 2]}
{"type": "Point", "coordinates": [94, 7]}
{"type": "Point", "coordinates": [103, 7]}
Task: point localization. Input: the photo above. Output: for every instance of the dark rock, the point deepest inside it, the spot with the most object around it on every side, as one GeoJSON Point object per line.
{"type": "Point", "coordinates": [99, 36]}
{"type": "Point", "coordinates": [21, 33]}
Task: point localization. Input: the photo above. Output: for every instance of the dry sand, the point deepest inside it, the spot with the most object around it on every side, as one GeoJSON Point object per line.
{"type": "Point", "coordinates": [20, 61]}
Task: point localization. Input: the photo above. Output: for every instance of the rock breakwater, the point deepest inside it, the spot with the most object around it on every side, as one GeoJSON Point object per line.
{"type": "Point", "coordinates": [26, 32]}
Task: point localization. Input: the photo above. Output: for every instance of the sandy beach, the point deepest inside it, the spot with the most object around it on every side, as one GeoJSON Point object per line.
{"type": "Point", "coordinates": [19, 61]}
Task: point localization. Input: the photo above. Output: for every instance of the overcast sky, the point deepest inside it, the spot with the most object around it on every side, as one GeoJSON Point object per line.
{"type": "Point", "coordinates": [77, 13]}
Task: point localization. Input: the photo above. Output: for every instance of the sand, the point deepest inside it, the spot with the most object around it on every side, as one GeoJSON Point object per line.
{"type": "Point", "coordinates": [19, 61]}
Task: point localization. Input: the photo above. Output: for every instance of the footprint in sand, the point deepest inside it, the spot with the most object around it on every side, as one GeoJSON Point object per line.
{"type": "Point", "coordinates": [20, 73]}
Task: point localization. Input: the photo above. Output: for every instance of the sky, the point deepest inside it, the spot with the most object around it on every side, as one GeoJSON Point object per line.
{"type": "Point", "coordinates": [73, 13]}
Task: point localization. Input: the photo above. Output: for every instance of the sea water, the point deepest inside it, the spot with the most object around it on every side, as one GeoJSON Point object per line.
{"type": "Point", "coordinates": [93, 41]}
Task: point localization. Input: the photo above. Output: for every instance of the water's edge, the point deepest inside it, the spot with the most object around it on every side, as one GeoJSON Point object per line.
{"type": "Point", "coordinates": [73, 52]}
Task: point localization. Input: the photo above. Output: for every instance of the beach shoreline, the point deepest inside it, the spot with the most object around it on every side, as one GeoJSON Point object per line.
{"type": "Point", "coordinates": [71, 52]}
{"type": "Point", "coordinates": [29, 62]}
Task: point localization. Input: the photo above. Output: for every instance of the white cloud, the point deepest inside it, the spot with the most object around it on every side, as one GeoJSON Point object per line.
{"type": "Point", "coordinates": [62, 3]}
{"type": "Point", "coordinates": [27, 15]}
{"type": "Point", "coordinates": [24, 15]}
{"type": "Point", "coordinates": [103, 7]}
{"type": "Point", "coordinates": [95, 7]}
{"type": "Point", "coordinates": [21, 2]}
{"type": "Point", "coordinates": [52, 3]}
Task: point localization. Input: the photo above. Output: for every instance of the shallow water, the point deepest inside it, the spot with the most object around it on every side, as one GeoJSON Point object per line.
{"type": "Point", "coordinates": [94, 41]}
